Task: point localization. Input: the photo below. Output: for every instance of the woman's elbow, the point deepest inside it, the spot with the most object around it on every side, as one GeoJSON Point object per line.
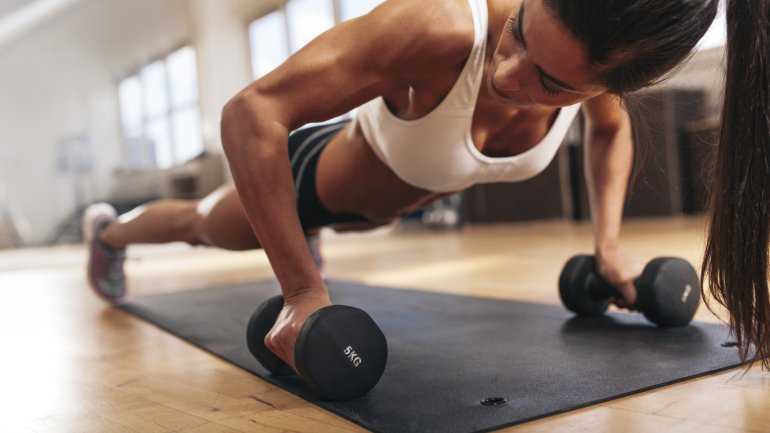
{"type": "Point", "coordinates": [245, 124]}
{"type": "Point", "coordinates": [234, 120]}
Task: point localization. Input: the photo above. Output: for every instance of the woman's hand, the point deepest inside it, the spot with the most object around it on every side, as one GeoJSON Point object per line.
{"type": "Point", "coordinates": [282, 338]}
{"type": "Point", "coordinates": [620, 270]}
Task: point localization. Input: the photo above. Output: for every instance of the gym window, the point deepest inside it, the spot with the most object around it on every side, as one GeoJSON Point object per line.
{"type": "Point", "coordinates": [278, 34]}
{"type": "Point", "coordinates": [716, 36]}
{"type": "Point", "coordinates": [160, 114]}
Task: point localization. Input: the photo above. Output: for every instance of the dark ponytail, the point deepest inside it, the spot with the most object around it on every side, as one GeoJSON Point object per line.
{"type": "Point", "coordinates": [735, 262]}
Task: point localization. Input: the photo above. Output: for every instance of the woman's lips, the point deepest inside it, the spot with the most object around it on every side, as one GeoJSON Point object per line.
{"type": "Point", "coordinates": [499, 94]}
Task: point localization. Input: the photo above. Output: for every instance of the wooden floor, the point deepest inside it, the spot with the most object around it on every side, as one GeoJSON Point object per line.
{"type": "Point", "coordinates": [70, 363]}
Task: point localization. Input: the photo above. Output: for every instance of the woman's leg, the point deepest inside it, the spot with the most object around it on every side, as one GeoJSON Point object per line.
{"type": "Point", "coordinates": [217, 220]}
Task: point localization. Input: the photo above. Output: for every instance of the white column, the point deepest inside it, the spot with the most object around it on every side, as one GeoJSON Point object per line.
{"type": "Point", "coordinates": [220, 36]}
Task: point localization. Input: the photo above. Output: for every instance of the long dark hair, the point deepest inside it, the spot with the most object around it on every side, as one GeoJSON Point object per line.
{"type": "Point", "coordinates": [633, 44]}
{"type": "Point", "coordinates": [736, 252]}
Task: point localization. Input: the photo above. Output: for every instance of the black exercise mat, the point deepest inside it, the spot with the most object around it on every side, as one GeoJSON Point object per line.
{"type": "Point", "coordinates": [448, 353]}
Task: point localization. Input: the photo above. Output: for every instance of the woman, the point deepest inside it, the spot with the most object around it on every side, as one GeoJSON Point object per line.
{"type": "Point", "coordinates": [451, 93]}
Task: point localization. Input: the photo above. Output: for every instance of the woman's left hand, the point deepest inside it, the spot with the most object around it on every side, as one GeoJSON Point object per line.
{"type": "Point", "coordinates": [620, 270]}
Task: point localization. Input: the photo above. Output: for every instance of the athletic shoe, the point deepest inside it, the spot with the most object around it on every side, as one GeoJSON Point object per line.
{"type": "Point", "coordinates": [105, 264]}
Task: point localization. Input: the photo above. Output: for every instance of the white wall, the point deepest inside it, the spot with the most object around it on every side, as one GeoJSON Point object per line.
{"type": "Point", "coordinates": [222, 43]}
{"type": "Point", "coordinates": [61, 80]}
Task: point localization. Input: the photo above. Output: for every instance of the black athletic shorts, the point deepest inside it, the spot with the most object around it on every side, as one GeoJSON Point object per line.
{"type": "Point", "coordinates": [305, 145]}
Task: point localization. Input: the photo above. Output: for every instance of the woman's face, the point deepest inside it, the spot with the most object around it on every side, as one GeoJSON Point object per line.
{"type": "Point", "coordinates": [539, 62]}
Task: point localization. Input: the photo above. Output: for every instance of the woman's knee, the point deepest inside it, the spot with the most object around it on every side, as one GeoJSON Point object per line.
{"type": "Point", "coordinates": [186, 223]}
{"type": "Point", "coordinates": [223, 223]}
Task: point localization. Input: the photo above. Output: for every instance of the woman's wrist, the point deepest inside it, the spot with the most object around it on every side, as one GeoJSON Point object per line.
{"type": "Point", "coordinates": [606, 248]}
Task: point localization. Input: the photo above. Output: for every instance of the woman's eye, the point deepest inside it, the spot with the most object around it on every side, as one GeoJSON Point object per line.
{"type": "Point", "coordinates": [513, 26]}
{"type": "Point", "coordinates": [549, 91]}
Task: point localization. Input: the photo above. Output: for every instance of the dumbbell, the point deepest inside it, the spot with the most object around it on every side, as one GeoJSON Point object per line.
{"type": "Point", "coordinates": [340, 352]}
{"type": "Point", "coordinates": [668, 291]}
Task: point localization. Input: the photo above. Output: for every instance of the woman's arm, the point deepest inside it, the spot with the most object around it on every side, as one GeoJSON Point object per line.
{"type": "Point", "coordinates": [341, 69]}
{"type": "Point", "coordinates": [608, 160]}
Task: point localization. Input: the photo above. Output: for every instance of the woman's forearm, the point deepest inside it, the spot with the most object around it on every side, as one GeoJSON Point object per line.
{"type": "Point", "coordinates": [256, 148]}
{"type": "Point", "coordinates": [608, 160]}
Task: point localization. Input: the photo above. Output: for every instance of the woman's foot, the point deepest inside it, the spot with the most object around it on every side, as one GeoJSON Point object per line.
{"type": "Point", "coordinates": [105, 264]}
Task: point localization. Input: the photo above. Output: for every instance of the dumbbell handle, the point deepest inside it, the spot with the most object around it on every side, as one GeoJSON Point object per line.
{"type": "Point", "coordinates": [599, 289]}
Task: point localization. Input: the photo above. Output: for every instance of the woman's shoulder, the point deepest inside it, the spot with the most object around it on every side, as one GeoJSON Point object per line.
{"type": "Point", "coordinates": [430, 32]}
{"type": "Point", "coordinates": [450, 15]}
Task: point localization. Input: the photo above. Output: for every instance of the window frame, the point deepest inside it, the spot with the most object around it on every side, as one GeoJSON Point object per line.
{"type": "Point", "coordinates": [283, 9]}
{"type": "Point", "coordinates": [149, 162]}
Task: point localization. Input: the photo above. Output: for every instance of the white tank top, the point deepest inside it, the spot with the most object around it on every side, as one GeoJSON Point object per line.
{"type": "Point", "coordinates": [436, 152]}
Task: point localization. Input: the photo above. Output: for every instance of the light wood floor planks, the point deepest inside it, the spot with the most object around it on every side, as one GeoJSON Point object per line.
{"type": "Point", "coordinates": [72, 364]}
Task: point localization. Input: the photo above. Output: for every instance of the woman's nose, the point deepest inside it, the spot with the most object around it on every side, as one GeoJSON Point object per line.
{"type": "Point", "coordinates": [510, 75]}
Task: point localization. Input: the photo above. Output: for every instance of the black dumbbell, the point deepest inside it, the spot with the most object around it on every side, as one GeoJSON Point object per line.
{"type": "Point", "coordinates": [340, 352]}
{"type": "Point", "coordinates": [668, 291]}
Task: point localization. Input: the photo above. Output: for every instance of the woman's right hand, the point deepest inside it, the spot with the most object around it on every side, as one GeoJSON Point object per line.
{"type": "Point", "coordinates": [283, 336]}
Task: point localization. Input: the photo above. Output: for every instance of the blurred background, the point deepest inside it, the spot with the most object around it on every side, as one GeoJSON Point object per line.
{"type": "Point", "coordinates": [119, 101]}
